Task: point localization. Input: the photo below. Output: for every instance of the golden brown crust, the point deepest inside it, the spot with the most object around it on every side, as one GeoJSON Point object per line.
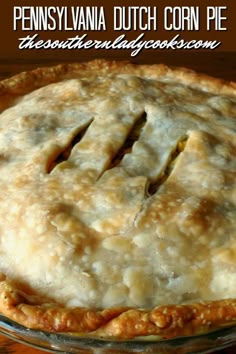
{"type": "Point", "coordinates": [25, 82]}
{"type": "Point", "coordinates": [121, 323]}
{"type": "Point", "coordinates": [93, 209]}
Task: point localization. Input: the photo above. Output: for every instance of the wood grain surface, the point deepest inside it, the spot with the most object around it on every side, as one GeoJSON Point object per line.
{"type": "Point", "coordinates": [218, 64]}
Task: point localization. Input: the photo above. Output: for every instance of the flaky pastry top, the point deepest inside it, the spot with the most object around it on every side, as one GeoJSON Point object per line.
{"type": "Point", "coordinates": [118, 199]}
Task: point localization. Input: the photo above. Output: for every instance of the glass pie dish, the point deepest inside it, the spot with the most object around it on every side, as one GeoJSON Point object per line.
{"type": "Point", "coordinates": [215, 340]}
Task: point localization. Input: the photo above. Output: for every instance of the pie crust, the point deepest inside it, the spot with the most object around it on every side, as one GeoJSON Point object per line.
{"type": "Point", "coordinates": [118, 200]}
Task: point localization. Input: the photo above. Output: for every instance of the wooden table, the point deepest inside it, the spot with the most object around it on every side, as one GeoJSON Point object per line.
{"type": "Point", "coordinates": [218, 64]}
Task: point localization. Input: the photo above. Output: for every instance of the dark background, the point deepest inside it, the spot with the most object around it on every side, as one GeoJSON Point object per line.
{"type": "Point", "coordinates": [9, 38]}
{"type": "Point", "coordinates": [220, 62]}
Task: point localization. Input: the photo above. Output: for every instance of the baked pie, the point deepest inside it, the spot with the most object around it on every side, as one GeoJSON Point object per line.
{"type": "Point", "coordinates": [118, 200]}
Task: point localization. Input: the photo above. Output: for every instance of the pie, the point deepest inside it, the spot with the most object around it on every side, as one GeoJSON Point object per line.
{"type": "Point", "coordinates": [118, 200]}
